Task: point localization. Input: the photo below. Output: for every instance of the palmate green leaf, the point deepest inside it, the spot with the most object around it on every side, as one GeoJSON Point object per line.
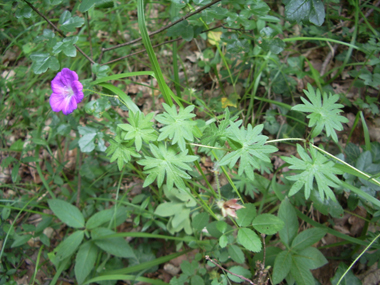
{"type": "Point", "coordinates": [252, 153]}
{"type": "Point", "coordinates": [140, 128]}
{"type": "Point", "coordinates": [324, 115]}
{"type": "Point", "coordinates": [121, 151]}
{"type": "Point", "coordinates": [318, 168]}
{"type": "Point", "coordinates": [167, 162]}
{"type": "Point", "coordinates": [178, 126]}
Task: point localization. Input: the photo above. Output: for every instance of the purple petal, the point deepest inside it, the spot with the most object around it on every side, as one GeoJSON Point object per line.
{"type": "Point", "coordinates": [57, 85]}
{"type": "Point", "coordinates": [56, 101]}
{"type": "Point", "coordinates": [68, 76]}
{"type": "Point", "coordinates": [69, 105]}
{"type": "Point", "coordinates": [77, 89]}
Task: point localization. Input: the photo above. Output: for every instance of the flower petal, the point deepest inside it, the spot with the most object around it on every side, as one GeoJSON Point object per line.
{"type": "Point", "coordinates": [68, 76]}
{"type": "Point", "coordinates": [69, 105]}
{"type": "Point", "coordinates": [57, 85]}
{"type": "Point", "coordinates": [77, 88]}
{"type": "Point", "coordinates": [56, 101]}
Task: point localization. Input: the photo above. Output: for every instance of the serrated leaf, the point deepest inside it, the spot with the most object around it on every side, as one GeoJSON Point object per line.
{"type": "Point", "coordinates": [239, 270]}
{"type": "Point", "coordinates": [178, 126]}
{"type": "Point", "coordinates": [85, 261]}
{"type": "Point", "coordinates": [167, 163]}
{"type": "Point", "coordinates": [301, 273]}
{"type": "Point", "coordinates": [200, 221]}
{"type": "Point", "coordinates": [267, 224]}
{"type": "Point", "coordinates": [249, 239]}
{"type": "Point", "coordinates": [236, 253]}
{"type": "Point", "coordinates": [324, 113]}
{"type": "Point", "coordinates": [305, 10]}
{"type": "Point", "coordinates": [121, 151]}
{"type": "Point", "coordinates": [67, 213]}
{"type": "Point", "coordinates": [318, 168]}
{"type": "Point", "coordinates": [246, 215]}
{"type": "Point", "coordinates": [253, 151]}
{"type": "Point", "coordinates": [282, 265]}
{"type": "Point", "coordinates": [139, 129]}
{"type": "Point", "coordinates": [312, 257]}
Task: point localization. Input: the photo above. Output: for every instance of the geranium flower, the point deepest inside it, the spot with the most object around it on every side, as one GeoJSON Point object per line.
{"type": "Point", "coordinates": [229, 207]}
{"type": "Point", "coordinates": [67, 91]}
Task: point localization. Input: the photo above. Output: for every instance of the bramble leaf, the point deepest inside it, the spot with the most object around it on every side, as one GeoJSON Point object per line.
{"type": "Point", "coordinates": [178, 127]}
{"type": "Point", "coordinates": [121, 151]}
{"type": "Point", "coordinates": [309, 10]}
{"type": "Point", "coordinates": [252, 152]}
{"type": "Point", "coordinates": [323, 115]}
{"type": "Point", "coordinates": [139, 129]}
{"type": "Point", "coordinates": [167, 162]}
{"type": "Point", "coordinates": [317, 168]}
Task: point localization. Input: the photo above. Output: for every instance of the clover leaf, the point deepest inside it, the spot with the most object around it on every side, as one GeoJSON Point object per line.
{"type": "Point", "coordinates": [323, 114]}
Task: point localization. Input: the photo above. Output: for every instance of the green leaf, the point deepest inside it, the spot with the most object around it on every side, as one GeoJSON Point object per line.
{"type": "Point", "coordinates": [24, 12]}
{"type": "Point", "coordinates": [69, 246]}
{"type": "Point", "coordinates": [239, 271]}
{"type": "Point", "coordinates": [85, 261]}
{"type": "Point", "coordinates": [43, 61]}
{"type": "Point", "coordinates": [116, 246]}
{"type": "Point", "coordinates": [246, 215]}
{"type": "Point", "coordinates": [67, 213]}
{"type": "Point", "coordinates": [21, 240]}
{"type": "Point", "coordinates": [301, 272]}
{"type": "Point", "coordinates": [282, 265]}
{"type": "Point", "coordinates": [87, 142]}
{"type": "Point", "coordinates": [223, 241]}
{"type": "Point", "coordinates": [267, 224]}
{"type": "Point", "coordinates": [167, 163]}
{"type": "Point", "coordinates": [249, 239]}
{"type": "Point", "coordinates": [99, 218]}
{"type": "Point", "coordinates": [307, 238]}
{"type": "Point", "coordinates": [68, 23]}
{"type": "Point", "coordinates": [289, 216]}
{"type": "Point", "coordinates": [200, 221]}
{"type": "Point", "coordinates": [97, 107]}
{"type": "Point", "coordinates": [196, 280]}
{"type": "Point", "coordinates": [324, 114]}
{"type": "Point", "coordinates": [312, 257]}
{"type": "Point", "coordinates": [305, 10]}
{"type": "Point", "coordinates": [121, 151]}
{"type": "Point", "coordinates": [177, 127]}
{"type": "Point", "coordinates": [236, 253]}
{"type": "Point", "coordinates": [182, 29]}
{"type": "Point", "coordinates": [87, 4]}
{"type": "Point", "coordinates": [139, 129]}
{"type": "Point", "coordinates": [252, 153]}
{"type": "Point", "coordinates": [349, 279]}
{"type": "Point", "coordinates": [318, 168]}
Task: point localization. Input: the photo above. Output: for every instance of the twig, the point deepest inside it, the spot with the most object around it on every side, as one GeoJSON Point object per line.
{"type": "Point", "coordinates": [58, 30]}
{"type": "Point", "coordinates": [158, 31]}
{"type": "Point", "coordinates": [237, 275]}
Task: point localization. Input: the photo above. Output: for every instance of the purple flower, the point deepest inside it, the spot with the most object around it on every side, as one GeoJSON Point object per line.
{"type": "Point", "coordinates": [67, 91]}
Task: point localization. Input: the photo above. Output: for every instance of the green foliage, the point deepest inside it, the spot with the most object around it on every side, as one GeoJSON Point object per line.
{"type": "Point", "coordinates": [305, 10]}
{"type": "Point", "coordinates": [324, 114]}
{"type": "Point", "coordinates": [318, 168]}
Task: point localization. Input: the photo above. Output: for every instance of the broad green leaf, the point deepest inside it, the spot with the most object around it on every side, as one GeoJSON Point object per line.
{"type": "Point", "coordinates": [282, 265]}
{"type": "Point", "coordinates": [318, 168]}
{"type": "Point", "coordinates": [301, 272]}
{"type": "Point", "coordinates": [169, 209]}
{"type": "Point", "coordinates": [24, 12]}
{"type": "Point", "coordinates": [307, 238]}
{"type": "Point", "coordinates": [67, 213]}
{"type": "Point", "coordinates": [236, 253]}
{"type": "Point", "coordinates": [249, 239]}
{"type": "Point", "coordinates": [167, 163]}
{"type": "Point", "coordinates": [87, 4]}
{"type": "Point", "coordinates": [200, 221]}
{"type": "Point", "coordinates": [68, 23]}
{"type": "Point", "coordinates": [253, 152]}
{"type": "Point", "coordinates": [116, 246]}
{"type": "Point", "coordinates": [267, 224]}
{"type": "Point", "coordinates": [289, 216]}
{"type": "Point", "coordinates": [21, 240]}
{"type": "Point", "coordinates": [178, 127]}
{"type": "Point", "coordinates": [43, 61]}
{"type": "Point", "coordinates": [100, 218]}
{"type": "Point", "coordinates": [97, 107]}
{"type": "Point", "coordinates": [85, 261]}
{"type": "Point", "coordinates": [246, 215]}
{"type": "Point", "coordinates": [312, 257]}
{"type": "Point", "coordinates": [69, 245]}
{"type": "Point", "coordinates": [87, 142]}
{"type": "Point", "coordinates": [271, 252]}
{"type": "Point", "coordinates": [305, 10]}
{"type": "Point", "coordinates": [67, 46]}
{"type": "Point", "coordinates": [223, 241]}
{"type": "Point", "coordinates": [239, 271]}
{"type": "Point", "coordinates": [324, 113]}
{"type": "Point", "coordinates": [349, 279]}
